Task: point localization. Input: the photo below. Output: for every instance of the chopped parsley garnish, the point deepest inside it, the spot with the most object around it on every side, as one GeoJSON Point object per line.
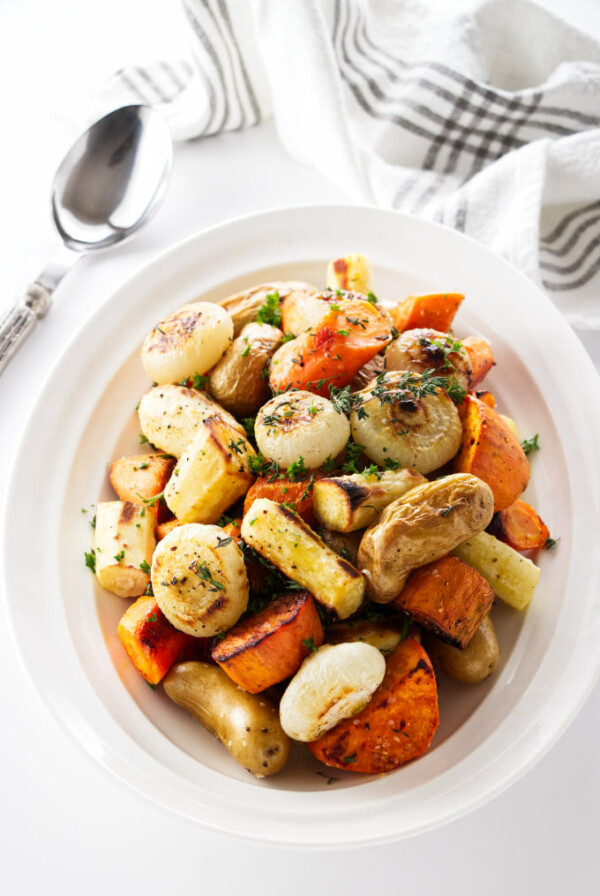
{"type": "Point", "coordinates": [145, 567]}
{"type": "Point", "coordinates": [532, 444]}
{"type": "Point", "coordinates": [310, 645]}
{"type": "Point", "coordinates": [90, 560]}
{"type": "Point", "coordinates": [328, 465]}
{"type": "Point", "coordinates": [297, 469]}
{"type": "Point", "coordinates": [248, 424]}
{"type": "Point", "coordinates": [550, 542]}
{"type": "Point", "coordinates": [371, 470]}
{"type": "Point", "coordinates": [350, 758]}
{"type": "Point", "coordinates": [287, 337]}
{"type": "Point", "coordinates": [353, 452]}
{"type": "Point", "coordinates": [143, 439]}
{"type": "Point", "coordinates": [152, 618]}
{"type": "Point", "coordinates": [372, 298]}
{"type": "Point", "coordinates": [269, 312]}
{"type": "Point", "coordinates": [246, 350]}
{"type": "Point", "coordinates": [120, 556]}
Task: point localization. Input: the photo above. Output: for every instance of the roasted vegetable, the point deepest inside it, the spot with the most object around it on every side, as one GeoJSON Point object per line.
{"type": "Point", "coordinates": [142, 477]}
{"type": "Point", "coordinates": [352, 333]}
{"type": "Point", "coordinates": [332, 684]}
{"type": "Point", "coordinates": [297, 494]}
{"type": "Point", "coordinates": [424, 525]}
{"type": "Point", "coordinates": [302, 310]}
{"type": "Point", "coordinates": [350, 272]}
{"type": "Point", "coordinates": [448, 597]}
{"type": "Point", "coordinates": [436, 311]}
{"type": "Point", "coordinates": [189, 341]}
{"type": "Point", "coordinates": [164, 528]}
{"type": "Point", "coordinates": [347, 503]}
{"type": "Point", "coordinates": [245, 306]}
{"type": "Point", "coordinates": [426, 349]}
{"type": "Point", "coordinates": [520, 527]}
{"type": "Point", "coordinates": [384, 634]}
{"type": "Point", "coordinates": [490, 451]}
{"type": "Point", "coordinates": [212, 473]}
{"type": "Point", "coordinates": [151, 642]}
{"type": "Point", "coordinates": [481, 357]}
{"type": "Point", "coordinates": [406, 418]}
{"type": "Point", "coordinates": [300, 425]}
{"type": "Point", "coordinates": [247, 725]}
{"type": "Point", "coordinates": [171, 415]}
{"type": "Point", "coordinates": [474, 663]}
{"type": "Point", "coordinates": [270, 645]}
{"type": "Point", "coordinates": [284, 538]}
{"type": "Point", "coordinates": [512, 576]}
{"type": "Point", "coordinates": [238, 381]}
{"type": "Point", "coordinates": [199, 579]}
{"type": "Point", "coordinates": [124, 542]}
{"type": "Point", "coordinates": [397, 724]}
{"type": "Point", "coordinates": [343, 543]}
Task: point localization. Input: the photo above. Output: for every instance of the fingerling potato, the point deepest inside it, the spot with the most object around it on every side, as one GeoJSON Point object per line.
{"type": "Point", "coordinates": [246, 724]}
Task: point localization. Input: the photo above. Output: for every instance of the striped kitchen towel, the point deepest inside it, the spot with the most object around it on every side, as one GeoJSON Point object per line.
{"type": "Point", "coordinates": [483, 115]}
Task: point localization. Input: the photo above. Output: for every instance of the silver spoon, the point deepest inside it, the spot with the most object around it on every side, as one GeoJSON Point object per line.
{"type": "Point", "coordinates": [110, 183]}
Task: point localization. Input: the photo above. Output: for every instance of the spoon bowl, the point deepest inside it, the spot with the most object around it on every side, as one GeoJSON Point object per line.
{"type": "Point", "coordinates": [108, 185]}
{"type": "Point", "coordinates": [113, 178]}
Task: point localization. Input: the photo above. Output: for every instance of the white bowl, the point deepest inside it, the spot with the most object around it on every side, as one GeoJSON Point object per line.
{"type": "Point", "coordinates": [65, 625]}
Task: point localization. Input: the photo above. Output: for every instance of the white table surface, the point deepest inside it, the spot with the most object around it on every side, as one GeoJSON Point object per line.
{"type": "Point", "coordinates": [66, 826]}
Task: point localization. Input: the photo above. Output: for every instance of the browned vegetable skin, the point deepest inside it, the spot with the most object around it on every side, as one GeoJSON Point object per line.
{"type": "Point", "coordinates": [237, 381]}
{"type": "Point", "coordinates": [424, 525]}
{"type": "Point", "coordinates": [246, 724]}
{"type": "Point", "coordinates": [426, 349]}
{"type": "Point", "coordinates": [244, 306]}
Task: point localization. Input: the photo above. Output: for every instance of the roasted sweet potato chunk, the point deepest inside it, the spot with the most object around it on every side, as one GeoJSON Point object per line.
{"type": "Point", "coordinates": [481, 356]}
{"type": "Point", "coordinates": [151, 642]}
{"type": "Point", "coordinates": [270, 646]}
{"type": "Point", "coordinates": [398, 723]}
{"type": "Point", "coordinates": [490, 451]}
{"type": "Point", "coordinates": [520, 527]}
{"type": "Point", "coordinates": [297, 493]}
{"type": "Point", "coordinates": [448, 597]}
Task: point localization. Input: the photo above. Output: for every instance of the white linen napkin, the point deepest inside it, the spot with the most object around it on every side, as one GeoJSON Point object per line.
{"type": "Point", "coordinates": [483, 115]}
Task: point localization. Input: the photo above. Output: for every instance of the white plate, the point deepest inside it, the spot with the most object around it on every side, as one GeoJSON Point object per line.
{"type": "Point", "coordinates": [65, 625]}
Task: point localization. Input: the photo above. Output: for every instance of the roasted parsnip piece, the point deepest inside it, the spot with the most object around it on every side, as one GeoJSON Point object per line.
{"type": "Point", "coordinates": [350, 272]}
{"type": "Point", "coordinates": [285, 539]}
{"type": "Point", "coordinates": [512, 576]}
{"type": "Point", "coordinates": [347, 503]}
{"type": "Point", "coordinates": [211, 475]}
{"type": "Point", "coordinates": [124, 546]}
{"type": "Point", "coordinates": [170, 416]}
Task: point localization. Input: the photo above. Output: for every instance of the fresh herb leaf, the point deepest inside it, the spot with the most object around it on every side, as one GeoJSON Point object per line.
{"type": "Point", "coordinates": [550, 542]}
{"type": "Point", "coordinates": [120, 556]}
{"type": "Point", "coordinates": [297, 469]}
{"type": "Point", "coordinates": [223, 542]}
{"type": "Point", "coordinates": [532, 444]}
{"type": "Point", "coordinates": [145, 567]}
{"type": "Point", "coordinates": [310, 645]}
{"type": "Point", "coordinates": [90, 560]}
{"type": "Point", "coordinates": [269, 312]}
{"type": "Point", "coordinates": [352, 453]}
{"type": "Point", "coordinates": [372, 298]}
{"type": "Point", "coordinates": [203, 572]}
{"type": "Point", "coordinates": [246, 351]}
{"type": "Point", "coordinates": [248, 424]}
{"type": "Point", "coordinates": [143, 439]}
{"type": "Point", "coordinates": [350, 758]}
{"type": "Point", "coordinates": [328, 465]}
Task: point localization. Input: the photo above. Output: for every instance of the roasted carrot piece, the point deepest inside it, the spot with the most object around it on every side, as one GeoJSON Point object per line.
{"type": "Point", "coordinates": [332, 352]}
{"type": "Point", "coordinates": [270, 646]}
{"type": "Point", "coordinates": [284, 491]}
{"type": "Point", "coordinates": [398, 723]}
{"type": "Point", "coordinates": [164, 528]}
{"type": "Point", "coordinates": [151, 642]}
{"type": "Point", "coordinates": [520, 527]}
{"type": "Point", "coordinates": [486, 397]}
{"type": "Point", "coordinates": [448, 597]}
{"type": "Point", "coordinates": [435, 311]}
{"type": "Point", "coordinates": [491, 451]}
{"type": "Point", "coordinates": [142, 476]}
{"type": "Point", "coordinates": [482, 358]}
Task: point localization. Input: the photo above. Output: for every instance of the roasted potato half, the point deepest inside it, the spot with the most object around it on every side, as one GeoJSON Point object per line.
{"type": "Point", "coordinates": [238, 380]}
{"type": "Point", "coordinates": [425, 524]}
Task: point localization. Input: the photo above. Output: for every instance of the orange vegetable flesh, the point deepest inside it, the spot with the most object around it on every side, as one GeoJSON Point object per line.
{"type": "Point", "coordinates": [164, 528]}
{"type": "Point", "coordinates": [284, 491]}
{"type": "Point", "coordinates": [332, 352]}
{"type": "Point", "coordinates": [270, 646]}
{"type": "Point", "coordinates": [520, 527]}
{"type": "Point", "coordinates": [492, 452]}
{"type": "Point", "coordinates": [482, 358]}
{"type": "Point", "coordinates": [141, 477]}
{"type": "Point", "coordinates": [396, 726]}
{"type": "Point", "coordinates": [486, 397]}
{"type": "Point", "coordinates": [435, 311]}
{"type": "Point", "coordinates": [448, 597]}
{"type": "Point", "coordinates": [152, 643]}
